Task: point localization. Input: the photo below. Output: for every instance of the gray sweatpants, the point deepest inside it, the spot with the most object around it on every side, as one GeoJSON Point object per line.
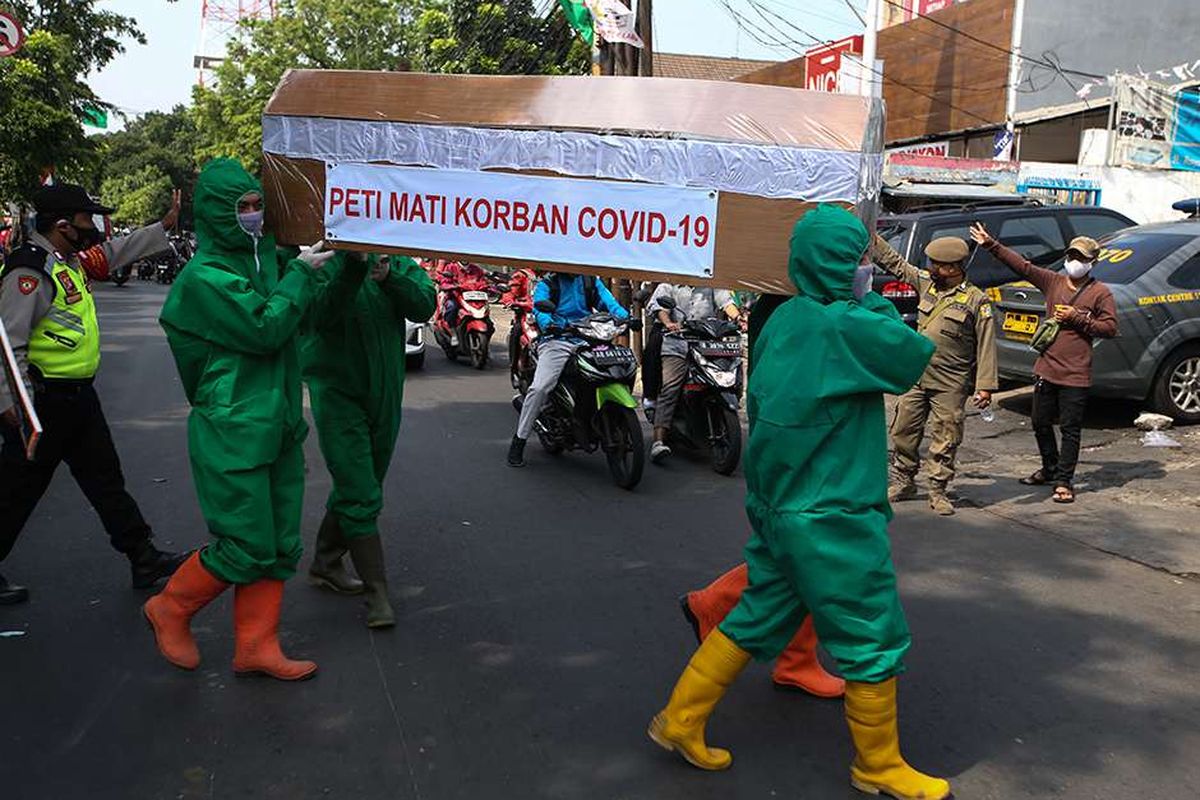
{"type": "Point", "coordinates": [674, 372]}
{"type": "Point", "coordinates": [553, 355]}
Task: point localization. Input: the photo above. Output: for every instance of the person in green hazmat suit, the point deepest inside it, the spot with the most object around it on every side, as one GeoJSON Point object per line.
{"type": "Point", "coordinates": [353, 361]}
{"type": "Point", "coordinates": [816, 483]}
{"type": "Point", "coordinates": [231, 320]}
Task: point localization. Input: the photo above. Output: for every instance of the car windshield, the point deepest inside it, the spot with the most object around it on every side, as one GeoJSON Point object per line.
{"type": "Point", "coordinates": [1127, 256]}
{"type": "Point", "coordinates": [894, 234]}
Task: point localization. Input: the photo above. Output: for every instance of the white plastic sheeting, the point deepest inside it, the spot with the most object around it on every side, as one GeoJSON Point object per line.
{"type": "Point", "coordinates": [808, 174]}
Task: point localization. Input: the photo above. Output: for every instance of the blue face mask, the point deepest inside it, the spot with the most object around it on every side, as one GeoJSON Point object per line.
{"type": "Point", "coordinates": [252, 222]}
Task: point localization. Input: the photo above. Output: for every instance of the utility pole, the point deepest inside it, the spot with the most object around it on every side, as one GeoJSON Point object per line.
{"type": "Point", "coordinates": [870, 38]}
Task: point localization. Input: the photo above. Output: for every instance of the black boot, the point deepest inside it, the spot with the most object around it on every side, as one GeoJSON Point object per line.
{"type": "Point", "coordinates": [149, 565]}
{"type": "Point", "coordinates": [367, 554]}
{"type": "Point", "coordinates": [328, 569]}
{"type": "Point", "coordinates": [11, 594]}
{"type": "Point", "coordinates": [516, 452]}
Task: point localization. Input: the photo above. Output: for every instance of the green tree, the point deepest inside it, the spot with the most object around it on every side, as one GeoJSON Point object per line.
{"type": "Point", "coordinates": [42, 91]}
{"type": "Point", "coordinates": [139, 197]}
{"type": "Point", "coordinates": [315, 34]}
{"type": "Point", "coordinates": [135, 161]}
{"type": "Point", "coordinates": [508, 38]}
{"type": "Point", "coordinates": [437, 36]}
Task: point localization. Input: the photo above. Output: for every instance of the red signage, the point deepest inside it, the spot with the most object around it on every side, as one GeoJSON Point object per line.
{"type": "Point", "coordinates": [823, 65]}
{"type": "Point", "coordinates": [929, 6]}
{"type": "Point", "coordinates": [11, 34]}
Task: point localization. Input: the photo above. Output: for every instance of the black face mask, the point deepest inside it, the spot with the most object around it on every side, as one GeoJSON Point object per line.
{"type": "Point", "coordinates": [86, 238]}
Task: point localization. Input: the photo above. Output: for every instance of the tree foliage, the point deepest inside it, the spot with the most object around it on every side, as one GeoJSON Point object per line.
{"type": "Point", "coordinates": [43, 93]}
{"type": "Point", "coordinates": [139, 166]}
{"type": "Point", "coordinates": [438, 36]}
{"type": "Point", "coordinates": [139, 197]}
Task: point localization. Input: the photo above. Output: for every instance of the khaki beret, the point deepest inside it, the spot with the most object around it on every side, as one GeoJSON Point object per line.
{"type": "Point", "coordinates": [1086, 246]}
{"type": "Point", "coordinates": [947, 250]}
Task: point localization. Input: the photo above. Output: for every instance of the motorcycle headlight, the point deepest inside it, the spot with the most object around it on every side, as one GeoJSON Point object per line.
{"type": "Point", "coordinates": [723, 378]}
{"type": "Point", "coordinates": [604, 331]}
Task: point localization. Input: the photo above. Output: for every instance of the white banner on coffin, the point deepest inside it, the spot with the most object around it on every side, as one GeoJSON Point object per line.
{"type": "Point", "coordinates": [567, 220]}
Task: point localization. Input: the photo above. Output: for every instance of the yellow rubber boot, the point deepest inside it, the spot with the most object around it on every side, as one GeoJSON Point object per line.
{"type": "Point", "coordinates": [878, 767]}
{"type": "Point", "coordinates": [680, 726]}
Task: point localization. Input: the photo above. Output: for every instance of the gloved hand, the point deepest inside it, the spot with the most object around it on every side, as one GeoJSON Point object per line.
{"type": "Point", "coordinates": [316, 256]}
{"type": "Point", "coordinates": [635, 323]}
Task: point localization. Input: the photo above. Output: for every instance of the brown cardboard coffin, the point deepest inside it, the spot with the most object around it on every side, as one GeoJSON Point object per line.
{"type": "Point", "coordinates": [752, 232]}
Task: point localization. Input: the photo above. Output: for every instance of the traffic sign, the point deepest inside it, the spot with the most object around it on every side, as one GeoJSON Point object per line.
{"type": "Point", "coordinates": [12, 35]}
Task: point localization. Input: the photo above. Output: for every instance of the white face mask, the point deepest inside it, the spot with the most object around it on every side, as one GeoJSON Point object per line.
{"type": "Point", "coordinates": [252, 223]}
{"type": "Point", "coordinates": [864, 276]}
{"type": "Point", "coordinates": [1077, 269]}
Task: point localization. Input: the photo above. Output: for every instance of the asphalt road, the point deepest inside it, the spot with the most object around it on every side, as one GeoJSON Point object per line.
{"type": "Point", "coordinates": [539, 632]}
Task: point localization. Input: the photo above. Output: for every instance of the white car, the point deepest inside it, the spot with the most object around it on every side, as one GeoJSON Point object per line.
{"type": "Point", "coordinates": [414, 344]}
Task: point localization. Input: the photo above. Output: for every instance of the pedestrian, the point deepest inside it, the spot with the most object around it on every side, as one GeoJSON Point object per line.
{"type": "Point", "coordinates": [957, 317]}
{"type": "Point", "coordinates": [353, 361]}
{"type": "Point", "coordinates": [231, 321]}
{"type": "Point", "coordinates": [687, 302]}
{"type": "Point", "coordinates": [816, 480]}
{"type": "Point", "coordinates": [1083, 310]}
{"type": "Point", "coordinates": [47, 308]}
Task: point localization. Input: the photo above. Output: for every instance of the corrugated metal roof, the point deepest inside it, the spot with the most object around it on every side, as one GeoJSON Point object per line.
{"type": "Point", "coordinates": [707, 68]}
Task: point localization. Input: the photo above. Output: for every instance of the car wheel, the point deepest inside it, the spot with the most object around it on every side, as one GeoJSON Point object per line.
{"type": "Point", "coordinates": [415, 362]}
{"type": "Point", "coordinates": [1177, 390]}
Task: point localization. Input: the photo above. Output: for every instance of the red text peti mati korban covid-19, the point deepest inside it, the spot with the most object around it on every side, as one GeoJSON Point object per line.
{"type": "Point", "coordinates": [599, 223]}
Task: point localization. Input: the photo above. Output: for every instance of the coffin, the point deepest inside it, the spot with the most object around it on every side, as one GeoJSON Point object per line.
{"type": "Point", "coordinates": [686, 181]}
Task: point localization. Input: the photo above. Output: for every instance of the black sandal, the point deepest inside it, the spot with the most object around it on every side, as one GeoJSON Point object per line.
{"type": "Point", "coordinates": [1063, 494]}
{"type": "Point", "coordinates": [1036, 479]}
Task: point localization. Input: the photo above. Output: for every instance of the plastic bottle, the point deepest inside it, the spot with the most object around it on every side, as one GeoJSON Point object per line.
{"type": "Point", "coordinates": [987, 414]}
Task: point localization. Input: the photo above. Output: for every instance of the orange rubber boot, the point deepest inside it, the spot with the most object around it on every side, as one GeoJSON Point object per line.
{"type": "Point", "coordinates": [798, 666]}
{"type": "Point", "coordinates": [705, 608]}
{"type": "Point", "coordinates": [256, 609]}
{"type": "Point", "coordinates": [170, 612]}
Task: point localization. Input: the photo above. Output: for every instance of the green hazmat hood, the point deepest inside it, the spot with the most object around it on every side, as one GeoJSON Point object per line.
{"type": "Point", "coordinates": [826, 248]}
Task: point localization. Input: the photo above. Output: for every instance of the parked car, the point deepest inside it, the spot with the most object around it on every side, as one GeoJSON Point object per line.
{"type": "Point", "coordinates": [1038, 232]}
{"type": "Point", "coordinates": [1154, 274]}
{"type": "Point", "coordinates": [414, 344]}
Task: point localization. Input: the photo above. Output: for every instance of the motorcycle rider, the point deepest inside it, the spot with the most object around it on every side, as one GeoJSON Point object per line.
{"type": "Point", "coordinates": [690, 302]}
{"type": "Point", "coordinates": [575, 297]}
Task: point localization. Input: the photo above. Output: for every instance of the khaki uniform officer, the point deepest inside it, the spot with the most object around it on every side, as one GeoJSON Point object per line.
{"type": "Point", "coordinates": [957, 318]}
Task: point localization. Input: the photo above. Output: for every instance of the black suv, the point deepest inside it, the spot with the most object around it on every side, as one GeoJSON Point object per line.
{"type": "Point", "coordinates": [1040, 233]}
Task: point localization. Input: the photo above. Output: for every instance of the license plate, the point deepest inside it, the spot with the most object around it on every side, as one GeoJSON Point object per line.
{"type": "Point", "coordinates": [475, 296]}
{"type": "Point", "coordinates": [611, 355]}
{"type": "Point", "coordinates": [1025, 324]}
{"type": "Point", "coordinates": [720, 349]}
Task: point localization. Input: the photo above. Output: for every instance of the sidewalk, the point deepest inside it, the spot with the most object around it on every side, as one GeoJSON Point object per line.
{"type": "Point", "coordinates": [1140, 503]}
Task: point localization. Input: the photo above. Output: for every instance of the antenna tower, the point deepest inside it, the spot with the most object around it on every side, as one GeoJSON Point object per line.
{"type": "Point", "coordinates": [219, 21]}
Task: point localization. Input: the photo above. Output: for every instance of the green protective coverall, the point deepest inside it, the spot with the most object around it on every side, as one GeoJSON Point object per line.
{"type": "Point", "coordinates": [816, 464]}
{"type": "Point", "coordinates": [231, 319]}
{"type": "Point", "coordinates": [353, 359]}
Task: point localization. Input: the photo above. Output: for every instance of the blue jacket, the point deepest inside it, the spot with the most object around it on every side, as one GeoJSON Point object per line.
{"type": "Point", "coordinates": [572, 302]}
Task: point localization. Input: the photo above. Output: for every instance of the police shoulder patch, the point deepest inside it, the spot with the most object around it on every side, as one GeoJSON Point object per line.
{"type": "Point", "coordinates": [985, 310]}
{"type": "Point", "coordinates": [27, 284]}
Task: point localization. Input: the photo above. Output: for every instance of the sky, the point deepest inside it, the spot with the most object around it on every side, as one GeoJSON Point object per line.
{"type": "Point", "coordinates": [158, 75]}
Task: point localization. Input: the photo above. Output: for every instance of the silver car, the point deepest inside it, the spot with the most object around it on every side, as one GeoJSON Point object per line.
{"type": "Point", "coordinates": [1154, 274]}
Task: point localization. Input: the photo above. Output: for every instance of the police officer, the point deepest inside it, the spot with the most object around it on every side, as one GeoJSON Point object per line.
{"type": "Point", "coordinates": [957, 317]}
{"type": "Point", "coordinates": [47, 308]}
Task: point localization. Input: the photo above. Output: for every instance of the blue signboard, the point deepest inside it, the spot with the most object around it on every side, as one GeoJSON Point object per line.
{"type": "Point", "coordinates": [1185, 152]}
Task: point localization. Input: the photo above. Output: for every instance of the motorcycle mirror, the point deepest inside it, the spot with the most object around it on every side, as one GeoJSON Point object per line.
{"type": "Point", "coordinates": [545, 306]}
{"type": "Point", "coordinates": [667, 302]}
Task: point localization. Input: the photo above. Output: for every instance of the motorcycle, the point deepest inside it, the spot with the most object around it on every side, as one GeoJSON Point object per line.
{"type": "Point", "coordinates": [592, 406]}
{"type": "Point", "coordinates": [706, 417]}
{"type": "Point", "coordinates": [518, 298]}
{"type": "Point", "coordinates": [466, 294]}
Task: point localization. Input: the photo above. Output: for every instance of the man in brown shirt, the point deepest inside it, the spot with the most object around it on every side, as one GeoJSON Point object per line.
{"type": "Point", "coordinates": [1085, 310]}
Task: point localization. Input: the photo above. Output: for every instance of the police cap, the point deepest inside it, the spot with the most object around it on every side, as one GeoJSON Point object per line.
{"type": "Point", "coordinates": [66, 199]}
{"type": "Point", "coordinates": [947, 250]}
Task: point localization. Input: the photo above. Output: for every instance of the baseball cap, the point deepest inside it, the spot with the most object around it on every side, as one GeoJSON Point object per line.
{"type": "Point", "coordinates": [67, 199]}
{"type": "Point", "coordinates": [947, 250]}
{"type": "Point", "coordinates": [1086, 246]}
